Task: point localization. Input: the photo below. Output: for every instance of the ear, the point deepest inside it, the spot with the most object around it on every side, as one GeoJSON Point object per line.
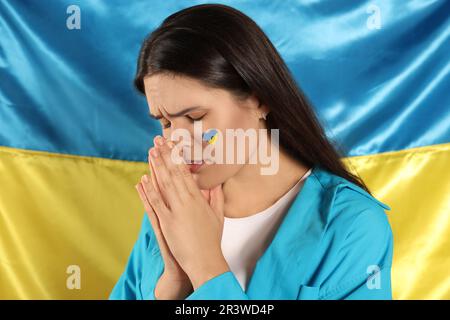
{"type": "Point", "coordinates": [258, 108]}
{"type": "Point", "coordinates": [263, 108]}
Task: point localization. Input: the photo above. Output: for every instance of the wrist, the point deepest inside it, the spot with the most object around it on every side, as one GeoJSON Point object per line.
{"type": "Point", "coordinates": [174, 276]}
{"type": "Point", "coordinates": [172, 288]}
{"type": "Point", "coordinates": [206, 271]}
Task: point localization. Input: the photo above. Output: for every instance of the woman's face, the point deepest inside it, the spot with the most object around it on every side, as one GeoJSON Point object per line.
{"type": "Point", "coordinates": [183, 101]}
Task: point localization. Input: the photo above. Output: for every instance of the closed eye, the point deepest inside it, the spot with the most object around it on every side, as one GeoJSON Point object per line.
{"type": "Point", "coordinates": [195, 119]}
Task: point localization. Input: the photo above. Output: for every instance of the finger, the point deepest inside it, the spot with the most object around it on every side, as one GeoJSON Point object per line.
{"type": "Point", "coordinates": [166, 186]}
{"type": "Point", "coordinates": [150, 212]}
{"type": "Point", "coordinates": [189, 181]}
{"type": "Point", "coordinates": [217, 201]}
{"type": "Point", "coordinates": [154, 180]}
{"type": "Point", "coordinates": [166, 149]}
{"type": "Point", "coordinates": [205, 194]}
{"type": "Point", "coordinates": [154, 198]}
{"type": "Point", "coordinates": [154, 221]}
{"type": "Point", "coordinates": [152, 175]}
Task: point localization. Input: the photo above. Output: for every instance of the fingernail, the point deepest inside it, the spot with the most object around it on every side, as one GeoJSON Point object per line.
{"type": "Point", "coordinates": [159, 140]}
{"type": "Point", "coordinates": [145, 178]}
{"type": "Point", "coordinates": [170, 144]}
{"type": "Point", "coordinates": [154, 152]}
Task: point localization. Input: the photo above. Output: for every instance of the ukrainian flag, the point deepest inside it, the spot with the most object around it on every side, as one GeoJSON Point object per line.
{"type": "Point", "coordinates": [74, 135]}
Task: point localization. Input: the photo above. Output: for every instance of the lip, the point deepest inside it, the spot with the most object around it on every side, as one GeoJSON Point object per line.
{"type": "Point", "coordinates": [195, 167]}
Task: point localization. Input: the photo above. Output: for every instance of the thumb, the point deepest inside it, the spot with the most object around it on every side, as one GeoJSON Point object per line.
{"type": "Point", "coordinates": [205, 194]}
{"type": "Point", "coordinates": [217, 200]}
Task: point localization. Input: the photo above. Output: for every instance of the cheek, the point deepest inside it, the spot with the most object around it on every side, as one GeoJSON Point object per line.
{"type": "Point", "coordinates": [242, 119]}
{"type": "Point", "coordinates": [215, 174]}
{"type": "Point", "coordinates": [232, 117]}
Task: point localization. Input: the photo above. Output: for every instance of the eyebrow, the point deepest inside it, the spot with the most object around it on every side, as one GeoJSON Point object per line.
{"type": "Point", "coordinates": [177, 114]}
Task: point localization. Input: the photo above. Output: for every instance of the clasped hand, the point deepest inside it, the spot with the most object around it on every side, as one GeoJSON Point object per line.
{"type": "Point", "coordinates": [187, 221]}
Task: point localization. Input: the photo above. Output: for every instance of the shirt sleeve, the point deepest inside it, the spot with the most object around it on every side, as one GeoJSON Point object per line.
{"type": "Point", "coordinates": [363, 263]}
{"type": "Point", "coordinates": [127, 287]}
{"type": "Point", "coordinates": [224, 286]}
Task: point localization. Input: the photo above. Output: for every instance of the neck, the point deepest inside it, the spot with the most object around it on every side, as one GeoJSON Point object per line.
{"type": "Point", "coordinates": [249, 192]}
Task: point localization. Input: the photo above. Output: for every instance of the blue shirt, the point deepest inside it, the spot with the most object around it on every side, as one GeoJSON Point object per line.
{"type": "Point", "coordinates": [335, 242]}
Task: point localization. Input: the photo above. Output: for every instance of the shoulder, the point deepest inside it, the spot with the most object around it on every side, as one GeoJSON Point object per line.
{"type": "Point", "coordinates": [357, 237]}
{"type": "Point", "coordinates": [361, 225]}
{"type": "Point", "coordinates": [353, 210]}
{"type": "Point", "coordinates": [351, 213]}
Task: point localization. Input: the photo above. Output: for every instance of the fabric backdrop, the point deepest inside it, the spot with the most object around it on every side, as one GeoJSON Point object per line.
{"type": "Point", "coordinates": [74, 134]}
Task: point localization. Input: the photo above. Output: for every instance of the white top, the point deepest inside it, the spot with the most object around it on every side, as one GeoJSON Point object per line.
{"type": "Point", "coordinates": [245, 239]}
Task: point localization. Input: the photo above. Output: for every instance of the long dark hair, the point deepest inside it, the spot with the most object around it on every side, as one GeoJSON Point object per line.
{"type": "Point", "coordinates": [224, 48]}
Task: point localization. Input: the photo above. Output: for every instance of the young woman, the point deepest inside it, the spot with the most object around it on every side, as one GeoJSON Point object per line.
{"type": "Point", "coordinates": [309, 230]}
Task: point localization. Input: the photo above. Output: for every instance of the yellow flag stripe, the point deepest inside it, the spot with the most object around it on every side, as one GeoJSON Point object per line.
{"type": "Point", "coordinates": [58, 211]}
{"type": "Point", "coordinates": [416, 185]}
{"type": "Point", "coordinates": [61, 210]}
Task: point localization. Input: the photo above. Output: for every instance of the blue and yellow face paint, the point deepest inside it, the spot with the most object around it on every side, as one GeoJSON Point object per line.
{"type": "Point", "coordinates": [210, 136]}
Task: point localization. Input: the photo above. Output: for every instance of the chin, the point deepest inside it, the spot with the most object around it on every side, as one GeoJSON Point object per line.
{"type": "Point", "coordinates": [206, 180]}
{"type": "Point", "coordinates": [212, 175]}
